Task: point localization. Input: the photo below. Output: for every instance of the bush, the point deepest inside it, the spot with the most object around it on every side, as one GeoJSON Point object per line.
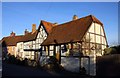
{"type": "Point", "coordinates": [11, 59]}
{"type": "Point", "coordinates": [34, 64]}
{"type": "Point", "coordinates": [25, 62]}
{"type": "Point", "coordinates": [110, 50]}
{"type": "Point", "coordinates": [29, 62]}
{"type": "Point", "coordinates": [53, 64]}
{"type": "Point", "coordinates": [82, 70]}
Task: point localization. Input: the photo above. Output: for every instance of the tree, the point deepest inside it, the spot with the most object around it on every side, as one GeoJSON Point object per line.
{"type": "Point", "coordinates": [111, 50]}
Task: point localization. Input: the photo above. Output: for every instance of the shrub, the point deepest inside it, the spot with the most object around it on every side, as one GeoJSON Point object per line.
{"type": "Point", "coordinates": [110, 50]}
{"type": "Point", "coordinates": [53, 64]}
{"type": "Point", "coordinates": [82, 70]}
{"type": "Point", "coordinates": [29, 62]}
{"type": "Point", "coordinates": [34, 63]}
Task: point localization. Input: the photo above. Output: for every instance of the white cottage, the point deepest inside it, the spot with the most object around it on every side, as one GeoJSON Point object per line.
{"type": "Point", "coordinates": [30, 47]}
{"type": "Point", "coordinates": [77, 43]}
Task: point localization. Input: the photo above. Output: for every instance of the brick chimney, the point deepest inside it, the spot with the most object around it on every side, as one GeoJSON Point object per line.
{"type": "Point", "coordinates": [26, 31]}
{"type": "Point", "coordinates": [75, 17]}
{"type": "Point", "coordinates": [33, 28]}
{"type": "Point", "coordinates": [12, 34]}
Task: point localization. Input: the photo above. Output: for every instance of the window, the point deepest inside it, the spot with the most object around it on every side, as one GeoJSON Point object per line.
{"type": "Point", "coordinates": [51, 47]}
{"type": "Point", "coordinates": [64, 49]}
{"type": "Point", "coordinates": [51, 53]}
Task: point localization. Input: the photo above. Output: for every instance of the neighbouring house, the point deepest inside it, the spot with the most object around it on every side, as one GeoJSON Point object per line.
{"type": "Point", "coordinates": [77, 43]}
{"type": "Point", "coordinates": [30, 46]}
{"type": "Point", "coordinates": [9, 44]}
{"type": "Point", "coordinates": [27, 45]}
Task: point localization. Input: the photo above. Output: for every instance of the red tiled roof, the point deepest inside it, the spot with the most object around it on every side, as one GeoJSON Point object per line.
{"type": "Point", "coordinates": [47, 25]}
{"type": "Point", "coordinates": [12, 41]}
{"type": "Point", "coordinates": [72, 31]}
{"type": "Point", "coordinates": [30, 36]}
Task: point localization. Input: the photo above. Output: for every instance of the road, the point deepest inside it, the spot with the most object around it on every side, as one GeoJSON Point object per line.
{"type": "Point", "coordinates": [12, 70]}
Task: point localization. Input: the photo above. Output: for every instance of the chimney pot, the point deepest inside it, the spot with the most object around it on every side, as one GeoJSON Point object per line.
{"type": "Point", "coordinates": [12, 34]}
{"type": "Point", "coordinates": [75, 17]}
{"type": "Point", "coordinates": [26, 31]}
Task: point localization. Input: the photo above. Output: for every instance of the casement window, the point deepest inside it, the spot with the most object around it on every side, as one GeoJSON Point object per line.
{"type": "Point", "coordinates": [51, 50]}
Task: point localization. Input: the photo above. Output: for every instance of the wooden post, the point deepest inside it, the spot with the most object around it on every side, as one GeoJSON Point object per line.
{"type": "Point", "coordinates": [48, 50]}
{"type": "Point", "coordinates": [59, 54]}
{"type": "Point", "coordinates": [42, 50]}
{"type": "Point", "coordinates": [54, 53]}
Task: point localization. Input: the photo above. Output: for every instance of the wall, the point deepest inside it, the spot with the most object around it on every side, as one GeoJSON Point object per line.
{"type": "Point", "coordinates": [11, 49]}
{"type": "Point", "coordinates": [35, 44]}
{"type": "Point", "coordinates": [94, 45]}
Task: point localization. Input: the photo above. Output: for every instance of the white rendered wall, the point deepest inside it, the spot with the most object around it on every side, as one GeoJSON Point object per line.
{"type": "Point", "coordinates": [35, 44]}
{"type": "Point", "coordinates": [19, 49]}
{"type": "Point", "coordinates": [96, 36]}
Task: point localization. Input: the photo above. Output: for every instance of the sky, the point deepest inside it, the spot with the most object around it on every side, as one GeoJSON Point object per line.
{"type": "Point", "coordinates": [18, 16]}
{"type": "Point", "coordinates": [0, 20]}
{"type": "Point", "coordinates": [118, 23]}
{"type": "Point", "coordinates": [60, 0]}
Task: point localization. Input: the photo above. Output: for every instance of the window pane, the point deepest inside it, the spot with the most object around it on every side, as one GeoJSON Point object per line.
{"type": "Point", "coordinates": [51, 53]}
{"type": "Point", "coordinates": [51, 47]}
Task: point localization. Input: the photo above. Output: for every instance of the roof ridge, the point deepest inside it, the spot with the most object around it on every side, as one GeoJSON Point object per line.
{"type": "Point", "coordinates": [73, 20]}
{"type": "Point", "coordinates": [96, 20]}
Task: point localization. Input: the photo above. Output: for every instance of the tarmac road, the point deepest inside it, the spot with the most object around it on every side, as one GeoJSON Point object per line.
{"type": "Point", "coordinates": [12, 70]}
{"type": "Point", "coordinates": [15, 71]}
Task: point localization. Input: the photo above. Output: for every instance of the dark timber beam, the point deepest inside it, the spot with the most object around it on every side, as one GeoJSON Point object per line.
{"type": "Point", "coordinates": [54, 52]}
{"type": "Point", "coordinates": [59, 54]}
